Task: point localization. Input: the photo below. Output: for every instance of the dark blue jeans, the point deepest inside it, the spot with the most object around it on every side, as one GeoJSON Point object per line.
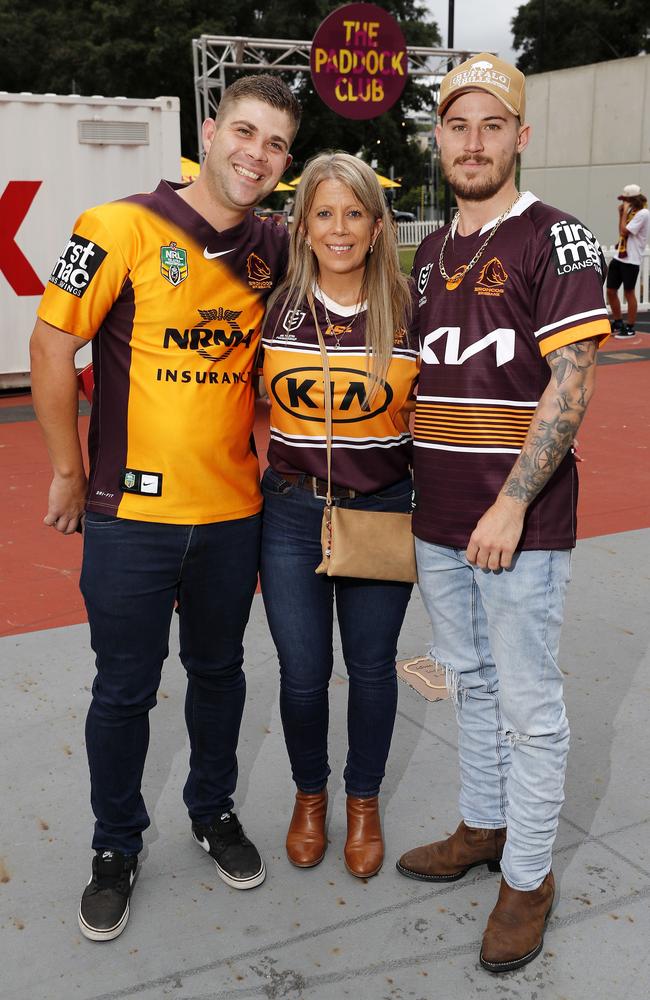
{"type": "Point", "coordinates": [132, 574]}
{"type": "Point", "coordinates": [300, 609]}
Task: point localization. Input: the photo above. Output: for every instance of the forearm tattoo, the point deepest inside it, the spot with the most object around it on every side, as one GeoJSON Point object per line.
{"type": "Point", "coordinates": [556, 421]}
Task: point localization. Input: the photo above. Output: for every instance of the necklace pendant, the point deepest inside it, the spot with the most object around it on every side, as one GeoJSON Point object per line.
{"type": "Point", "coordinates": [456, 278]}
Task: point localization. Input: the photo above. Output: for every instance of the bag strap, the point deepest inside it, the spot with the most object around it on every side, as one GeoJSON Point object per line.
{"type": "Point", "coordinates": [328, 396]}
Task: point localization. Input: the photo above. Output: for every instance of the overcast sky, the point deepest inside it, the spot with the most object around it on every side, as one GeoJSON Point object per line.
{"type": "Point", "coordinates": [480, 25]}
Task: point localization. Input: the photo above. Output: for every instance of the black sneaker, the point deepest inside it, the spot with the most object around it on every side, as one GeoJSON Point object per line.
{"type": "Point", "coordinates": [237, 860]}
{"type": "Point", "coordinates": [616, 325]}
{"type": "Point", "coordinates": [625, 332]}
{"type": "Point", "coordinates": [104, 908]}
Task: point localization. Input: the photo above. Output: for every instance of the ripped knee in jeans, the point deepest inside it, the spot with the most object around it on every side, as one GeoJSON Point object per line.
{"type": "Point", "coordinates": [457, 693]}
{"type": "Point", "coordinates": [513, 738]}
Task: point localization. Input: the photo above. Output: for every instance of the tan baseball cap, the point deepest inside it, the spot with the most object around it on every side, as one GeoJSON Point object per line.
{"type": "Point", "coordinates": [630, 191]}
{"type": "Point", "coordinates": [486, 72]}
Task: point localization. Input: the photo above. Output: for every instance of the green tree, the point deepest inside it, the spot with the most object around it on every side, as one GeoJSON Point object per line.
{"type": "Point", "coordinates": [555, 34]}
{"type": "Point", "coordinates": [136, 48]}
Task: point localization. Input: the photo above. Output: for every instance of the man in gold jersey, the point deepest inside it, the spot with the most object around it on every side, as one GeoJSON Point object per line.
{"type": "Point", "coordinates": [171, 288]}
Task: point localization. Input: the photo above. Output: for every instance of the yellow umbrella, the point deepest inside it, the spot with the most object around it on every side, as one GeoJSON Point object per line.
{"type": "Point", "coordinates": [189, 169]}
{"type": "Point", "coordinates": [384, 182]}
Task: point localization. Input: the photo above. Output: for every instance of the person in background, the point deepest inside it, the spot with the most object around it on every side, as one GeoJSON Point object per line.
{"type": "Point", "coordinates": [171, 288]}
{"type": "Point", "coordinates": [342, 260]}
{"type": "Point", "coordinates": [633, 225]}
{"type": "Point", "coordinates": [511, 312]}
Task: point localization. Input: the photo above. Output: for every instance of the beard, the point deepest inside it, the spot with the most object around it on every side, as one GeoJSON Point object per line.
{"type": "Point", "coordinates": [478, 188]}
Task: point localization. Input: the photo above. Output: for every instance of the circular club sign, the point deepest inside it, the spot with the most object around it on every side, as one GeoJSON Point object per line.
{"type": "Point", "coordinates": [359, 61]}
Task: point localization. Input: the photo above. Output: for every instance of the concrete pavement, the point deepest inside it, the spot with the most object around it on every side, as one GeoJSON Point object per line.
{"type": "Point", "coordinates": [320, 934]}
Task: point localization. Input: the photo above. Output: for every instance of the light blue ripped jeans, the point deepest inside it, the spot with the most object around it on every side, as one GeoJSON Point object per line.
{"type": "Point", "coordinates": [497, 635]}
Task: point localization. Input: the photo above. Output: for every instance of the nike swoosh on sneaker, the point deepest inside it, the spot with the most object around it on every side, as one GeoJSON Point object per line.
{"type": "Point", "coordinates": [220, 253]}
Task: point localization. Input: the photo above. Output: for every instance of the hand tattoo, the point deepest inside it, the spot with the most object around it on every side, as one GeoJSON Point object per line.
{"type": "Point", "coordinates": [556, 421]}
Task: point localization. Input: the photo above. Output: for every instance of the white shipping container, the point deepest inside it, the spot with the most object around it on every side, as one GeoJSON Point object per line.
{"type": "Point", "coordinates": [59, 156]}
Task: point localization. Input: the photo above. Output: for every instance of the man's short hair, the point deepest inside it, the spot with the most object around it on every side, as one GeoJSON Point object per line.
{"type": "Point", "coordinates": [263, 87]}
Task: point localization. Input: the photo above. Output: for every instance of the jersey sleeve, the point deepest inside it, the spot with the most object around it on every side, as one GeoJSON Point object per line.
{"type": "Point", "coordinates": [86, 279]}
{"type": "Point", "coordinates": [568, 301]}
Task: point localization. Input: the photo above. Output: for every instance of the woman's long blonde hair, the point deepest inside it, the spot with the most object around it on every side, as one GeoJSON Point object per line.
{"type": "Point", "coordinates": [384, 287]}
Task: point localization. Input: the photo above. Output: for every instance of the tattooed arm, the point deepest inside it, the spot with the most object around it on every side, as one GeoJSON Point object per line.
{"type": "Point", "coordinates": [554, 425]}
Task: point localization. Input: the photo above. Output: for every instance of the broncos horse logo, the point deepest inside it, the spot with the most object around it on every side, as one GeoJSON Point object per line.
{"type": "Point", "coordinates": [493, 274]}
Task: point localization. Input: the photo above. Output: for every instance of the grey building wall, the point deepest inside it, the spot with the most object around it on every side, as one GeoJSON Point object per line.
{"type": "Point", "coordinates": [590, 137]}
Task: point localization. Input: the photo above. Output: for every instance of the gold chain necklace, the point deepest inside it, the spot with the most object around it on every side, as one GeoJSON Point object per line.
{"type": "Point", "coordinates": [455, 279]}
{"type": "Point", "coordinates": [331, 330]}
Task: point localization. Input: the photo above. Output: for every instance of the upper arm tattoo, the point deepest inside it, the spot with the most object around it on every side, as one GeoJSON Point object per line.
{"type": "Point", "coordinates": [574, 358]}
{"type": "Point", "coordinates": [556, 420]}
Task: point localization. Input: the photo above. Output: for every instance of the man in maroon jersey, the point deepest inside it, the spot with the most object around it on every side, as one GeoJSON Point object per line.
{"type": "Point", "coordinates": [511, 314]}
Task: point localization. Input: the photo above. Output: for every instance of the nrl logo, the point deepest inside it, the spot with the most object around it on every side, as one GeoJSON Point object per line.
{"type": "Point", "coordinates": [423, 277]}
{"type": "Point", "coordinates": [129, 480]}
{"type": "Point", "coordinates": [173, 263]}
{"type": "Point", "coordinates": [293, 319]}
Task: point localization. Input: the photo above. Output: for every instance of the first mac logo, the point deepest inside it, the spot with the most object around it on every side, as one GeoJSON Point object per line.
{"type": "Point", "coordinates": [77, 265]}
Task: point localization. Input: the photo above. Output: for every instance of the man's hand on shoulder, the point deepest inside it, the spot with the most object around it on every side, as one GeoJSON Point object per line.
{"type": "Point", "coordinates": [493, 542]}
{"type": "Point", "coordinates": [66, 502]}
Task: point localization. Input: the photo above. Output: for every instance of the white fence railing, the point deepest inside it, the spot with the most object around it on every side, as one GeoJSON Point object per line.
{"type": "Point", "coordinates": [412, 234]}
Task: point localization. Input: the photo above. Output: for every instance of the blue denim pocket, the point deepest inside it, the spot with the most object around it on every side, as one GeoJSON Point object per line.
{"type": "Point", "coordinates": [94, 519]}
{"type": "Point", "coordinates": [273, 483]}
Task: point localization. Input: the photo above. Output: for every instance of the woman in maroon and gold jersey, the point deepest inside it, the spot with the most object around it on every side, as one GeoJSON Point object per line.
{"type": "Point", "coordinates": [343, 252]}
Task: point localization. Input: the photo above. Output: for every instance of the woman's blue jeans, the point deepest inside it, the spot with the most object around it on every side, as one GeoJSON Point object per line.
{"type": "Point", "coordinates": [300, 610]}
{"type": "Point", "coordinates": [133, 572]}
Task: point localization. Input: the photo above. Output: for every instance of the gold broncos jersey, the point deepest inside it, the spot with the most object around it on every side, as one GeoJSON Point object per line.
{"type": "Point", "coordinates": [173, 308]}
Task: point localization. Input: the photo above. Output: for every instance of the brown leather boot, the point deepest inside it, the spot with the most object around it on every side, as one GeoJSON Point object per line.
{"type": "Point", "coordinates": [514, 934]}
{"type": "Point", "coordinates": [450, 859]}
{"type": "Point", "coordinates": [364, 847]}
{"type": "Point", "coordinates": [306, 840]}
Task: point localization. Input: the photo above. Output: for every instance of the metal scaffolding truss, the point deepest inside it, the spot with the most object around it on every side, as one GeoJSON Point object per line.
{"type": "Point", "coordinates": [214, 54]}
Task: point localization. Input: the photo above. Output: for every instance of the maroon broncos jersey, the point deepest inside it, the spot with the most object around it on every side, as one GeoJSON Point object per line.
{"type": "Point", "coordinates": [537, 286]}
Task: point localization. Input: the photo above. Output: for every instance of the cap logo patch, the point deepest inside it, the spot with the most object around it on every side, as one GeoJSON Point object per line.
{"type": "Point", "coordinates": [481, 72]}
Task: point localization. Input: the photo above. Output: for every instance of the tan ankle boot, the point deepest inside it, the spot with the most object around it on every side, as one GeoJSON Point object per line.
{"type": "Point", "coordinates": [364, 847]}
{"type": "Point", "coordinates": [450, 859]}
{"type": "Point", "coordinates": [306, 840]}
{"type": "Point", "coordinates": [514, 934]}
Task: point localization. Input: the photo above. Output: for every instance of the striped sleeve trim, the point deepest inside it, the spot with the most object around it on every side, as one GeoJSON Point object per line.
{"type": "Point", "coordinates": [598, 328]}
{"type": "Point", "coordinates": [572, 320]}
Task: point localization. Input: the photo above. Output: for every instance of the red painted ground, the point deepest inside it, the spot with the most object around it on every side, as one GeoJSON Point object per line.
{"type": "Point", "coordinates": [39, 569]}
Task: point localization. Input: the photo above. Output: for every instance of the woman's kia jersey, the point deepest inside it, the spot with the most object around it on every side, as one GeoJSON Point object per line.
{"type": "Point", "coordinates": [538, 286]}
{"type": "Point", "coordinates": [174, 310]}
{"type": "Point", "coordinates": [371, 443]}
